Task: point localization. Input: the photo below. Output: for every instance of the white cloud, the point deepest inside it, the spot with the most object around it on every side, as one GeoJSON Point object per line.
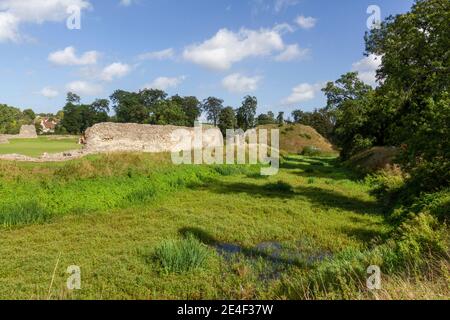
{"type": "Point", "coordinates": [367, 68]}
{"type": "Point", "coordinates": [227, 47]}
{"type": "Point", "coordinates": [282, 4]}
{"type": "Point", "coordinates": [306, 22]}
{"type": "Point", "coordinates": [68, 57]}
{"type": "Point", "coordinates": [238, 83]}
{"type": "Point", "coordinates": [292, 52]}
{"type": "Point", "coordinates": [114, 71]}
{"type": "Point", "coordinates": [84, 88]}
{"type": "Point", "coordinates": [8, 27]}
{"type": "Point", "coordinates": [301, 93]}
{"type": "Point", "coordinates": [283, 28]}
{"type": "Point", "coordinates": [158, 55]}
{"type": "Point", "coordinates": [49, 92]}
{"type": "Point", "coordinates": [164, 83]}
{"type": "Point", "coordinates": [15, 12]}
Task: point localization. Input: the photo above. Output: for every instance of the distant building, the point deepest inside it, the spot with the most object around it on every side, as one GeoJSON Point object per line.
{"type": "Point", "coordinates": [48, 125]}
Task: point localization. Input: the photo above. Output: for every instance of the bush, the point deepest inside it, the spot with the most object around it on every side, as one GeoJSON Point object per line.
{"type": "Point", "coordinates": [181, 256]}
{"type": "Point", "coordinates": [419, 237]}
{"type": "Point", "coordinates": [437, 204]}
{"type": "Point", "coordinates": [387, 186]}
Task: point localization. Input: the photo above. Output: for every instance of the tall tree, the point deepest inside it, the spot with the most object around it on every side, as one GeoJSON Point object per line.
{"type": "Point", "coordinates": [29, 116]}
{"type": "Point", "coordinates": [73, 98]}
{"type": "Point", "coordinates": [280, 118]}
{"type": "Point", "coordinates": [213, 106]}
{"type": "Point", "coordinates": [246, 113]}
{"type": "Point", "coordinates": [349, 100]}
{"type": "Point", "coordinates": [129, 107]}
{"type": "Point", "coordinates": [415, 87]}
{"type": "Point", "coordinates": [191, 107]}
{"type": "Point", "coordinates": [227, 120]}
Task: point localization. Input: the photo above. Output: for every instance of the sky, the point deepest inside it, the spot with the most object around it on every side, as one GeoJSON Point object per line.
{"type": "Point", "coordinates": [281, 51]}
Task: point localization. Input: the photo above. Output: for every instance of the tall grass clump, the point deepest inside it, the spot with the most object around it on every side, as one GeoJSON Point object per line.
{"type": "Point", "coordinates": [23, 214]}
{"type": "Point", "coordinates": [181, 256]}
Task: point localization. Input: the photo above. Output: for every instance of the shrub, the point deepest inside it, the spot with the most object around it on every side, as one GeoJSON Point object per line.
{"type": "Point", "coordinates": [420, 236]}
{"type": "Point", "coordinates": [437, 204]}
{"type": "Point", "coordinates": [181, 256]}
{"type": "Point", "coordinates": [386, 186]}
{"type": "Point", "coordinates": [305, 135]}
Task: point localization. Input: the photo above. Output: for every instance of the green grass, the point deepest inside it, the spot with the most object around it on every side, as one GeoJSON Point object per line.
{"type": "Point", "coordinates": [36, 147]}
{"type": "Point", "coordinates": [181, 256]}
{"type": "Point", "coordinates": [141, 228]}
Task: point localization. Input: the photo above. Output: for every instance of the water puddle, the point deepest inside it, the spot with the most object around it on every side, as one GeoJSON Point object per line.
{"type": "Point", "coordinates": [273, 251]}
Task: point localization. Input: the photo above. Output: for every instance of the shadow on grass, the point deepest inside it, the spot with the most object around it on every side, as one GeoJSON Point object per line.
{"type": "Point", "coordinates": [363, 234]}
{"type": "Point", "coordinates": [319, 168]}
{"type": "Point", "coordinates": [272, 252]}
{"type": "Point", "coordinates": [281, 190]}
{"type": "Point", "coordinates": [327, 199]}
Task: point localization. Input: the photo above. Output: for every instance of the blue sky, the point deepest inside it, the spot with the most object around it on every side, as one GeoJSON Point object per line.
{"type": "Point", "coordinates": [281, 51]}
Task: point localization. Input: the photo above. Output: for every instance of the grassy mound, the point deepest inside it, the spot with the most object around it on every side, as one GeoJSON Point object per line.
{"type": "Point", "coordinates": [296, 138]}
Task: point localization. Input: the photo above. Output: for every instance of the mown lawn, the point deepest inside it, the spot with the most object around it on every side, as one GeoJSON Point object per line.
{"type": "Point", "coordinates": [108, 214]}
{"type": "Point", "coordinates": [39, 146]}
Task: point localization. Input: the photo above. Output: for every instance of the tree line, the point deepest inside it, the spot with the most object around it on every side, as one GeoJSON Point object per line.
{"type": "Point", "coordinates": [410, 107]}
{"type": "Point", "coordinates": [11, 119]}
{"type": "Point", "coordinates": [151, 106]}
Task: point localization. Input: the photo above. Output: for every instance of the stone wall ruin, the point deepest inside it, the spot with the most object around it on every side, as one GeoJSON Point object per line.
{"type": "Point", "coordinates": [130, 137]}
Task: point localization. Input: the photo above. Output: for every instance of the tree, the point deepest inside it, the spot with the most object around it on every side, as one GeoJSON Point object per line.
{"type": "Point", "coordinates": [29, 116]}
{"type": "Point", "coordinates": [280, 118]}
{"type": "Point", "coordinates": [264, 119]}
{"type": "Point", "coordinates": [245, 115]}
{"type": "Point", "coordinates": [349, 101]}
{"type": "Point", "coordinates": [227, 120]}
{"type": "Point", "coordinates": [213, 106]}
{"type": "Point", "coordinates": [11, 119]}
{"type": "Point", "coordinates": [101, 105]}
{"type": "Point", "coordinates": [73, 98]}
{"type": "Point", "coordinates": [130, 107]}
{"type": "Point", "coordinates": [79, 117]}
{"type": "Point", "coordinates": [72, 118]}
{"type": "Point", "coordinates": [320, 119]}
{"type": "Point", "coordinates": [167, 112]}
{"type": "Point", "coordinates": [414, 88]}
{"type": "Point", "coordinates": [191, 107]}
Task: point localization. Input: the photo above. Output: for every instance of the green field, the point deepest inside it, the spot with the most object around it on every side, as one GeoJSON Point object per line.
{"type": "Point", "coordinates": [39, 146]}
{"type": "Point", "coordinates": [124, 219]}
{"type": "Point", "coordinates": [109, 225]}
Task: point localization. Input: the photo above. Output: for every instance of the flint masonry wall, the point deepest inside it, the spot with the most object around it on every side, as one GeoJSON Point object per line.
{"type": "Point", "coordinates": [129, 137]}
{"type": "Point", "coordinates": [28, 132]}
